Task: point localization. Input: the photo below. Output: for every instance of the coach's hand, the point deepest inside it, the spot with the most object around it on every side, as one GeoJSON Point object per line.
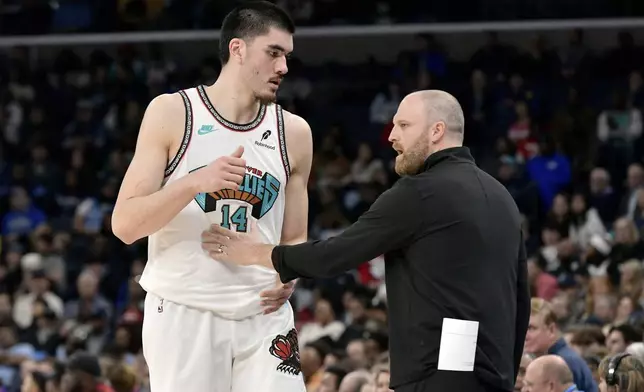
{"type": "Point", "coordinates": [237, 248]}
{"type": "Point", "coordinates": [273, 299]}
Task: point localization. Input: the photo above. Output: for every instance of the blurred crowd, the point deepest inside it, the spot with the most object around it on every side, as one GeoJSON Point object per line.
{"type": "Point", "coordinates": [560, 127]}
{"type": "Point", "coordinates": [43, 16]}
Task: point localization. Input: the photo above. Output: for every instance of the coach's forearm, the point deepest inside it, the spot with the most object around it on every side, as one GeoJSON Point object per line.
{"type": "Point", "coordinates": [142, 216]}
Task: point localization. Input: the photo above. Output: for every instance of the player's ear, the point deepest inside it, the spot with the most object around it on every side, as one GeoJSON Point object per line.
{"type": "Point", "coordinates": [237, 48]}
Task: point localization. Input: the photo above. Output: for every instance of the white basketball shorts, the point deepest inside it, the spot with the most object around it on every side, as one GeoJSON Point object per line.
{"type": "Point", "coordinates": [195, 351]}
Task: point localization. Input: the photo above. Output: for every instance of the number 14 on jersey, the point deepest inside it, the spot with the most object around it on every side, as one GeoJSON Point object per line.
{"type": "Point", "coordinates": [237, 218]}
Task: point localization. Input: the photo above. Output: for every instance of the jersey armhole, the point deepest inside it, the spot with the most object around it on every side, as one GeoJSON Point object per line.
{"type": "Point", "coordinates": [282, 140]}
{"type": "Point", "coordinates": [187, 135]}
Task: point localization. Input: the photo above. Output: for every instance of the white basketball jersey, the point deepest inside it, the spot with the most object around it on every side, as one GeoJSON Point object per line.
{"type": "Point", "coordinates": [178, 269]}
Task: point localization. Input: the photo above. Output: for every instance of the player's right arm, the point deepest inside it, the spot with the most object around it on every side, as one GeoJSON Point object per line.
{"type": "Point", "coordinates": [143, 206]}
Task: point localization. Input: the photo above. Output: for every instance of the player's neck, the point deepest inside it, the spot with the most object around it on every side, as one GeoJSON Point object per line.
{"type": "Point", "coordinates": [233, 100]}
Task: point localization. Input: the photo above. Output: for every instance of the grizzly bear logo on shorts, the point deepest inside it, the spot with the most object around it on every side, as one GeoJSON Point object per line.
{"type": "Point", "coordinates": [287, 349]}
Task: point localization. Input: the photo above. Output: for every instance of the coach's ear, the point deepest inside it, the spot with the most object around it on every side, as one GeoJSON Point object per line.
{"type": "Point", "coordinates": [237, 49]}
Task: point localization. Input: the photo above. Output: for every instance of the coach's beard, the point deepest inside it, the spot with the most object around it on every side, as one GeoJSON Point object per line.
{"type": "Point", "coordinates": [411, 162]}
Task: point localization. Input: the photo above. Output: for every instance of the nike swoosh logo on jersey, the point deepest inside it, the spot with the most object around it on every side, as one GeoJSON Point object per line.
{"type": "Point", "coordinates": [205, 129]}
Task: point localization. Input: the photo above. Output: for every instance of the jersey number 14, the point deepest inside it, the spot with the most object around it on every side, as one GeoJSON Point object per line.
{"type": "Point", "coordinates": [238, 218]}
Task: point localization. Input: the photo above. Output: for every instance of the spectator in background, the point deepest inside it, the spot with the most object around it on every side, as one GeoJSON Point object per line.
{"type": "Point", "coordinates": [23, 217]}
{"type": "Point", "coordinates": [638, 213]}
{"type": "Point", "coordinates": [357, 354]}
{"type": "Point", "coordinates": [34, 382]}
{"type": "Point", "coordinates": [90, 310]}
{"type": "Point", "coordinates": [382, 379]}
{"type": "Point", "coordinates": [561, 306]}
{"type": "Point", "coordinates": [39, 290]}
{"type": "Point", "coordinates": [559, 215]}
{"type": "Point", "coordinates": [550, 170]}
{"type": "Point", "coordinates": [15, 353]}
{"type": "Point", "coordinates": [632, 282]}
{"type": "Point", "coordinates": [587, 340]}
{"type": "Point", "coordinates": [324, 324]}
{"type": "Point", "coordinates": [542, 284]}
{"type": "Point", "coordinates": [384, 105]}
{"type": "Point", "coordinates": [602, 195]}
{"type": "Point", "coordinates": [618, 128]}
{"type": "Point", "coordinates": [332, 378]}
{"type": "Point", "coordinates": [620, 337]}
{"type": "Point", "coordinates": [83, 374]}
{"type": "Point", "coordinates": [636, 350]}
{"type": "Point", "coordinates": [521, 133]}
{"type": "Point", "coordinates": [585, 222]}
{"type": "Point", "coordinates": [312, 361]}
{"type": "Point", "coordinates": [354, 381]}
{"type": "Point", "coordinates": [603, 310]}
{"type": "Point", "coordinates": [366, 168]}
{"type": "Point", "coordinates": [121, 378]}
{"type": "Point", "coordinates": [526, 359]}
{"type": "Point", "coordinates": [628, 310]}
{"type": "Point", "coordinates": [544, 338]}
{"type": "Point", "coordinates": [635, 89]}
{"type": "Point", "coordinates": [573, 55]}
{"type": "Point", "coordinates": [477, 101]}
{"type": "Point", "coordinates": [619, 123]}
{"type": "Point", "coordinates": [627, 245]}
{"type": "Point", "coordinates": [44, 178]}
{"type": "Point", "coordinates": [634, 183]}
{"type": "Point", "coordinates": [628, 376]}
{"type": "Point", "coordinates": [549, 373]}
{"type": "Point", "coordinates": [92, 212]}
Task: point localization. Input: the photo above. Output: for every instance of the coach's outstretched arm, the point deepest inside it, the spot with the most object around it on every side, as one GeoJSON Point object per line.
{"type": "Point", "coordinates": [392, 222]}
{"type": "Point", "coordinates": [142, 206]}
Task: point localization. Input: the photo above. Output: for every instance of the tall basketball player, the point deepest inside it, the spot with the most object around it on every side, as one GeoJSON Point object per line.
{"type": "Point", "coordinates": [224, 154]}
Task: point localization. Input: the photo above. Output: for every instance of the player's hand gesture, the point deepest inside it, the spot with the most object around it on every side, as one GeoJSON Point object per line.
{"type": "Point", "coordinates": [226, 172]}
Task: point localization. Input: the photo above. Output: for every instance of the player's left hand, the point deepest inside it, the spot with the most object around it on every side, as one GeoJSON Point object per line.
{"type": "Point", "coordinates": [275, 298]}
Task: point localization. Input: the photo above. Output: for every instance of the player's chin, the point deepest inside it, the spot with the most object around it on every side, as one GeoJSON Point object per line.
{"type": "Point", "coordinates": [268, 96]}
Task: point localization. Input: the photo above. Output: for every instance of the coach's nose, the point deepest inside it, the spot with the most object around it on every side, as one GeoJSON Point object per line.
{"type": "Point", "coordinates": [393, 134]}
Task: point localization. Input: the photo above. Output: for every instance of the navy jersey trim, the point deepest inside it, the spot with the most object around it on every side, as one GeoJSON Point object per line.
{"type": "Point", "coordinates": [187, 135]}
{"type": "Point", "coordinates": [229, 124]}
{"type": "Point", "coordinates": [282, 140]}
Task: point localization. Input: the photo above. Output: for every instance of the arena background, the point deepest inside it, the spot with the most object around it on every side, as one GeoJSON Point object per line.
{"type": "Point", "coordinates": [553, 96]}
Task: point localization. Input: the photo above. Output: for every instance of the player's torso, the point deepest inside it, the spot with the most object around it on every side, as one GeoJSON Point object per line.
{"type": "Point", "coordinates": [175, 255]}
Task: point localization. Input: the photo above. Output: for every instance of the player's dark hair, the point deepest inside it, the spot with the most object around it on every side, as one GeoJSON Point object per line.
{"type": "Point", "coordinates": [249, 20]}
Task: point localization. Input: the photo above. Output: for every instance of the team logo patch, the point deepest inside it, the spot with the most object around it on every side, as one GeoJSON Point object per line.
{"type": "Point", "coordinates": [286, 348]}
{"type": "Point", "coordinates": [259, 188]}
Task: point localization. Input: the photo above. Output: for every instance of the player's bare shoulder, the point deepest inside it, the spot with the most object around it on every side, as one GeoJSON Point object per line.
{"type": "Point", "coordinates": [164, 124]}
{"type": "Point", "coordinates": [165, 116]}
{"type": "Point", "coordinates": [299, 140]}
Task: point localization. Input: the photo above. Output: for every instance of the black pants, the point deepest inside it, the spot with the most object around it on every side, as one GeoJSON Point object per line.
{"type": "Point", "coordinates": [443, 381]}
